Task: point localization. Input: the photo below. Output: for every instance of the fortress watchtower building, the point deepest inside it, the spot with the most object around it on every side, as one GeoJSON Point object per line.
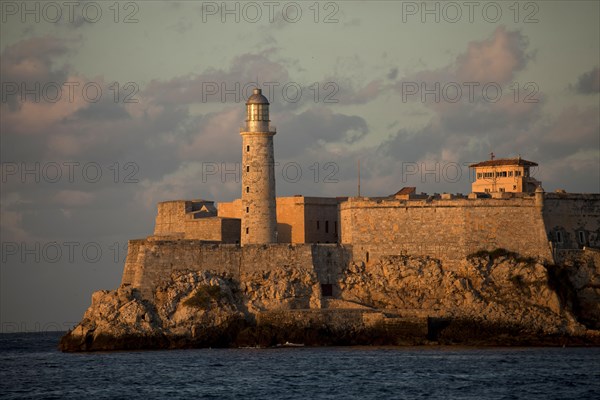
{"type": "Point", "coordinates": [504, 175]}
{"type": "Point", "coordinates": [259, 216]}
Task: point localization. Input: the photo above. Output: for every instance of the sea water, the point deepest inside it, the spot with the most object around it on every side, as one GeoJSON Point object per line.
{"type": "Point", "coordinates": [32, 367]}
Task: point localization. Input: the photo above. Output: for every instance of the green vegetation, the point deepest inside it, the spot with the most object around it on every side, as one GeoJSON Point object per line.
{"type": "Point", "coordinates": [203, 296]}
{"type": "Point", "coordinates": [518, 281]}
{"type": "Point", "coordinates": [497, 253]}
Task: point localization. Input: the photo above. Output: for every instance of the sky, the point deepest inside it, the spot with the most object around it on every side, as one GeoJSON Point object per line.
{"type": "Point", "coordinates": [111, 107]}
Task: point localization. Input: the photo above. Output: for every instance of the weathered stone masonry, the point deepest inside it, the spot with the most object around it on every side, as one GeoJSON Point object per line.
{"type": "Point", "coordinates": [150, 262]}
{"type": "Point", "coordinates": [445, 229]}
{"type": "Point", "coordinates": [259, 215]}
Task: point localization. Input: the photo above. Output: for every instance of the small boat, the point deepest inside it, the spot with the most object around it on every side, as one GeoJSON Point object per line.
{"type": "Point", "coordinates": [288, 344]}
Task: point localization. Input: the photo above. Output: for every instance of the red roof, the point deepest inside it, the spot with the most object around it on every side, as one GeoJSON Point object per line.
{"type": "Point", "coordinates": [406, 190]}
{"type": "Point", "coordinates": [504, 161]}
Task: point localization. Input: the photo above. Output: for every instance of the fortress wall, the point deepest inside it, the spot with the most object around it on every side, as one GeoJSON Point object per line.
{"type": "Point", "coordinates": [513, 224]}
{"type": "Point", "coordinates": [170, 217]}
{"type": "Point", "coordinates": [230, 230]}
{"type": "Point", "coordinates": [290, 220]}
{"type": "Point", "coordinates": [150, 262]}
{"type": "Point", "coordinates": [321, 220]}
{"type": "Point", "coordinates": [132, 263]}
{"type": "Point", "coordinates": [448, 230]}
{"type": "Point", "coordinates": [184, 219]}
{"type": "Point", "coordinates": [258, 258]}
{"type": "Point", "coordinates": [330, 261]}
{"type": "Point", "coordinates": [232, 209]}
{"type": "Point", "coordinates": [226, 230]}
{"type": "Point", "coordinates": [203, 229]}
{"type": "Point", "coordinates": [445, 229]}
{"type": "Point", "coordinates": [297, 218]}
{"type": "Point", "coordinates": [570, 214]}
{"type": "Point", "coordinates": [326, 260]}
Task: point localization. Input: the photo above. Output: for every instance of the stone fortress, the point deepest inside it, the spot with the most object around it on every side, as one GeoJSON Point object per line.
{"type": "Point", "coordinates": [505, 264]}
{"type": "Point", "coordinates": [507, 209]}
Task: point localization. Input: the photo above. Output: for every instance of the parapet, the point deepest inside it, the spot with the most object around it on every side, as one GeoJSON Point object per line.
{"type": "Point", "coordinates": [442, 200]}
{"type": "Point", "coordinates": [195, 219]}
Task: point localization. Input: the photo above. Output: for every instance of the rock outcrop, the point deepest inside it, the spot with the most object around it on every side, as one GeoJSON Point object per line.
{"type": "Point", "coordinates": [577, 281]}
{"type": "Point", "coordinates": [490, 298]}
{"type": "Point", "coordinates": [502, 290]}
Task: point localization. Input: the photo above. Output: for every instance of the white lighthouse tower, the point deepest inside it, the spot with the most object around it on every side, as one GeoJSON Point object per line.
{"type": "Point", "coordinates": [259, 217]}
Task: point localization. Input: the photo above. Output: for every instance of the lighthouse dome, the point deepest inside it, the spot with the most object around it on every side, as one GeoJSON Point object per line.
{"type": "Point", "coordinates": [257, 98]}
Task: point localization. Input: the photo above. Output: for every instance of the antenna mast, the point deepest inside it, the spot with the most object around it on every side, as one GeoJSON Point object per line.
{"type": "Point", "coordinates": [359, 178]}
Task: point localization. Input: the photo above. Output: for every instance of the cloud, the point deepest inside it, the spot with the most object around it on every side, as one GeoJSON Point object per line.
{"type": "Point", "coordinates": [73, 198]}
{"type": "Point", "coordinates": [472, 103]}
{"type": "Point", "coordinates": [350, 93]}
{"type": "Point", "coordinates": [588, 82]}
{"type": "Point", "coordinates": [573, 131]}
{"type": "Point", "coordinates": [468, 129]}
{"type": "Point", "coordinates": [85, 125]}
{"type": "Point", "coordinates": [213, 85]}
{"type": "Point", "coordinates": [314, 128]}
{"type": "Point", "coordinates": [213, 184]}
{"type": "Point", "coordinates": [11, 223]}
{"type": "Point", "coordinates": [31, 60]}
{"type": "Point", "coordinates": [168, 143]}
{"type": "Point", "coordinates": [495, 59]}
{"type": "Point", "coordinates": [35, 116]}
{"type": "Point", "coordinates": [215, 137]}
{"type": "Point", "coordinates": [484, 65]}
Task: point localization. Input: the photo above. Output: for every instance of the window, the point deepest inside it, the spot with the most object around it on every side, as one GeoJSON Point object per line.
{"type": "Point", "coordinates": [318, 225]}
{"type": "Point", "coordinates": [326, 289]}
{"type": "Point", "coordinates": [247, 189]}
{"type": "Point", "coordinates": [514, 187]}
{"type": "Point", "coordinates": [247, 230]}
{"type": "Point", "coordinates": [517, 173]}
{"type": "Point", "coordinates": [247, 148]}
{"type": "Point", "coordinates": [253, 111]}
{"type": "Point", "coordinates": [367, 256]}
{"type": "Point", "coordinates": [487, 190]}
{"type": "Point", "coordinates": [479, 175]}
{"type": "Point", "coordinates": [502, 190]}
{"type": "Point", "coordinates": [510, 173]}
{"type": "Point", "coordinates": [247, 209]}
{"type": "Point", "coordinates": [326, 226]}
{"type": "Point", "coordinates": [581, 235]}
{"type": "Point", "coordinates": [559, 238]}
{"type": "Point", "coordinates": [247, 168]}
{"type": "Point", "coordinates": [504, 174]}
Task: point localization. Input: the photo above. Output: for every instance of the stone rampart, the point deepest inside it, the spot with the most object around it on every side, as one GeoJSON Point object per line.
{"type": "Point", "coordinates": [195, 220]}
{"type": "Point", "coordinates": [572, 220]}
{"type": "Point", "coordinates": [448, 230]}
{"type": "Point", "coordinates": [150, 262]}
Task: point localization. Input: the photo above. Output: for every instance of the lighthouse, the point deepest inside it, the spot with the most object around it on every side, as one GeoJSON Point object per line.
{"type": "Point", "coordinates": [259, 217]}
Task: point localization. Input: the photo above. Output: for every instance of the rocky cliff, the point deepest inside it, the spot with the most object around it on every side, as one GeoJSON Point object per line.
{"type": "Point", "coordinates": [489, 298]}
